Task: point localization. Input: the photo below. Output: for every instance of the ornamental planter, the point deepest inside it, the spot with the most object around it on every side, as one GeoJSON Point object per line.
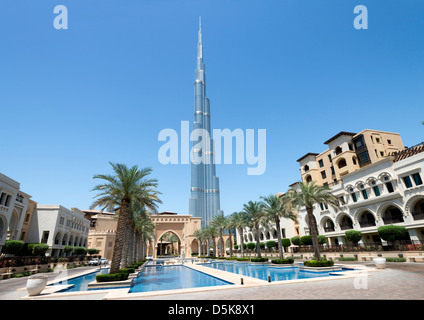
{"type": "Point", "coordinates": [36, 284]}
{"type": "Point", "coordinates": [380, 262]}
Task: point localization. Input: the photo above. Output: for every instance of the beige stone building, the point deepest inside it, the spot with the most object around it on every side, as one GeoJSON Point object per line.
{"type": "Point", "coordinates": [346, 153]}
{"type": "Point", "coordinates": [102, 232]}
{"type": "Point", "coordinates": [103, 225]}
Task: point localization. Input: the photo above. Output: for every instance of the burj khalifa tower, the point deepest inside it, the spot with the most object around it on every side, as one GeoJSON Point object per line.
{"type": "Point", "coordinates": [204, 200]}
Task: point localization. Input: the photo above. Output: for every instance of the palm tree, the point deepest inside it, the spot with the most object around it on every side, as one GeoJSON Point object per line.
{"type": "Point", "coordinates": [273, 206]}
{"type": "Point", "coordinates": [239, 221]}
{"type": "Point", "coordinates": [256, 218]}
{"type": "Point", "coordinates": [128, 185]}
{"type": "Point", "coordinates": [199, 237]}
{"type": "Point", "coordinates": [211, 233]}
{"type": "Point", "coordinates": [307, 195]}
{"type": "Point", "coordinates": [220, 223]}
{"type": "Point", "coordinates": [144, 230]}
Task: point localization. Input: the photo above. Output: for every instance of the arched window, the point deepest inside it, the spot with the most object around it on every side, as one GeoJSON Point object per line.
{"type": "Point", "coordinates": [341, 163]}
{"type": "Point", "coordinates": [418, 211]}
{"type": "Point", "coordinates": [338, 150]}
{"type": "Point", "coordinates": [392, 215]}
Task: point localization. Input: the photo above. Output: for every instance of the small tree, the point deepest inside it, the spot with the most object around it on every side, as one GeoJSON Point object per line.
{"type": "Point", "coordinates": [322, 239]}
{"type": "Point", "coordinates": [353, 235]}
{"type": "Point", "coordinates": [12, 247]}
{"type": "Point", "coordinates": [251, 245]}
{"type": "Point", "coordinates": [393, 233]}
{"type": "Point", "coordinates": [40, 249]}
{"type": "Point", "coordinates": [306, 240]}
{"type": "Point", "coordinates": [296, 240]}
{"type": "Point", "coordinates": [271, 244]}
{"type": "Point", "coordinates": [285, 243]}
{"type": "Point", "coordinates": [93, 251]}
{"type": "Point", "coordinates": [79, 251]}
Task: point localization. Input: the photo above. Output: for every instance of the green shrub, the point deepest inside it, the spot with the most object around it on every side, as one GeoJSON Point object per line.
{"type": "Point", "coordinates": [395, 259]}
{"type": "Point", "coordinates": [348, 259]}
{"type": "Point", "coordinates": [112, 277]}
{"type": "Point", "coordinates": [271, 244]}
{"type": "Point", "coordinates": [262, 245]}
{"type": "Point", "coordinates": [236, 246]}
{"type": "Point", "coordinates": [127, 270]}
{"type": "Point", "coordinates": [392, 233]}
{"type": "Point", "coordinates": [306, 240]}
{"type": "Point", "coordinates": [285, 242]}
{"type": "Point", "coordinates": [251, 245]}
{"type": "Point", "coordinates": [318, 264]}
{"type": "Point", "coordinates": [40, 249]}
{"type": "Point", "coordinates": [322, 239]}
{"type": "Point", "coordinates": [296, 240]}
{"type": "Point", "coordinates": [283, 261]}
{"type": "Point", "coordinates": [259, 260]}
{"type": "Point", "coordinates": [67, 249]}
{"type": "Point", "coordinates": [353, 235]}
{"type": "Point", "coordinates": [79, 251]}
{"type": "Point", "coordinates": [243, 259]}
{"type": "Point", "coordinates": [92, 251]}
{"type": "Point", "coordinates": [12, 247]}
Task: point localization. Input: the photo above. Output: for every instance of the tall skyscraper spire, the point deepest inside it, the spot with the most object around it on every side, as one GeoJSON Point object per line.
{"type": "Point", "coordinates": [204, 199]}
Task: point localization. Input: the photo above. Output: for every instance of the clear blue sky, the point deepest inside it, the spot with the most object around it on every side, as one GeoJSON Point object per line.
{"type": "Point", "coordinates": [73, 100]}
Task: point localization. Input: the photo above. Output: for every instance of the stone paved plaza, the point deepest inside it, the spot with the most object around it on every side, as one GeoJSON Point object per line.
{"type": "Point", "coordinates": [399, 281]}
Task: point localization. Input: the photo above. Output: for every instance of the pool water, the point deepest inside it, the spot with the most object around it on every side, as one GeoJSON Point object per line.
{"type": "Point", "coordinates": [172, 277]}
{"type": "Point", "coordinates": [263, 271]}
{"type": "Point", "coordinates": [80, 283]}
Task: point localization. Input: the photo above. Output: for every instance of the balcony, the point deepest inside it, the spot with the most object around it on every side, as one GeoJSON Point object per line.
{"type": "Point", "coordinates": [365, 224]}
{"type": "Point", "coordinates": [390, 220]}
{"type": "Point", "coordinates": [346, 226]}
{"type": "Point", "coordinates": [328, 229]}
{"type": "Point", "coordinates": [418, 216]}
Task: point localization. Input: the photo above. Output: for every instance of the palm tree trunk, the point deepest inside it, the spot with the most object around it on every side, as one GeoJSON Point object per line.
{"type": "Point", "coordinates": [280, 246]}
{"type": "Point", "coordinates": [214, 246]}
{"type": "Point", "coordinates": [258, 246]}
{"type": "Point", "coordinates": [231, 243]}
{"type": "Point", "coordinates": [221, 239]}
{"type": "Point", "coordinates": [313, 231]}
{"type": "Point", "coordinates": [119, 238]}
{"type": "Point", "coordinates": [242, 242]}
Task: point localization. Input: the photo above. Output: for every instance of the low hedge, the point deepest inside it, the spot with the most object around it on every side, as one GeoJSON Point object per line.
{"type": "Point", "coordinates": [112, 277]}
{"type": "Point", "coordinates": [395, 260]}
{"type": "Point", "coordinates": [348, 259]}
{"type": "Point", "coordinates": [259, 260]}
{"type": "Point", "coordinates": [283, 261]}
{"type": "Point", "coordinates": [243, 259]}
{"type": "Point", "coordinates": [318, 264]}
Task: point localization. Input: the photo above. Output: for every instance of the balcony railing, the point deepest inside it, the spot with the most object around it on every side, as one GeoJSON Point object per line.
{"type": "Point", "coordinates": [390, 220]}
{"type": "Point", "coordinates": [418, 216]}
{"type": "Point", "coordinates": [346, 226]}
{"type": "Point", "coordinates": [328, 229]}
{"type": "Point", "coordinates": [365, 224]}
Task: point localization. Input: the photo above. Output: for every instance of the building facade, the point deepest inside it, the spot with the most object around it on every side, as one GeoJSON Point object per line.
{"type": "Point", "coordinates": [102, 232]}
{"type": "Point", "coordinates": [14, 214]}
{"type": "Point", "coordinates": [58, 227]}
{"type": "Point", "coordinates": [204, 194]}
{"type": "Point", "coordinates": [384, 186]}
{"type": "Point", "coordinates": [347, 152]}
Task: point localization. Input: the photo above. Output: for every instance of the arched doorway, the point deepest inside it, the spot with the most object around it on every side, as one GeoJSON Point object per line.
{"type": "Point", "coordinates": [168, 244]}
